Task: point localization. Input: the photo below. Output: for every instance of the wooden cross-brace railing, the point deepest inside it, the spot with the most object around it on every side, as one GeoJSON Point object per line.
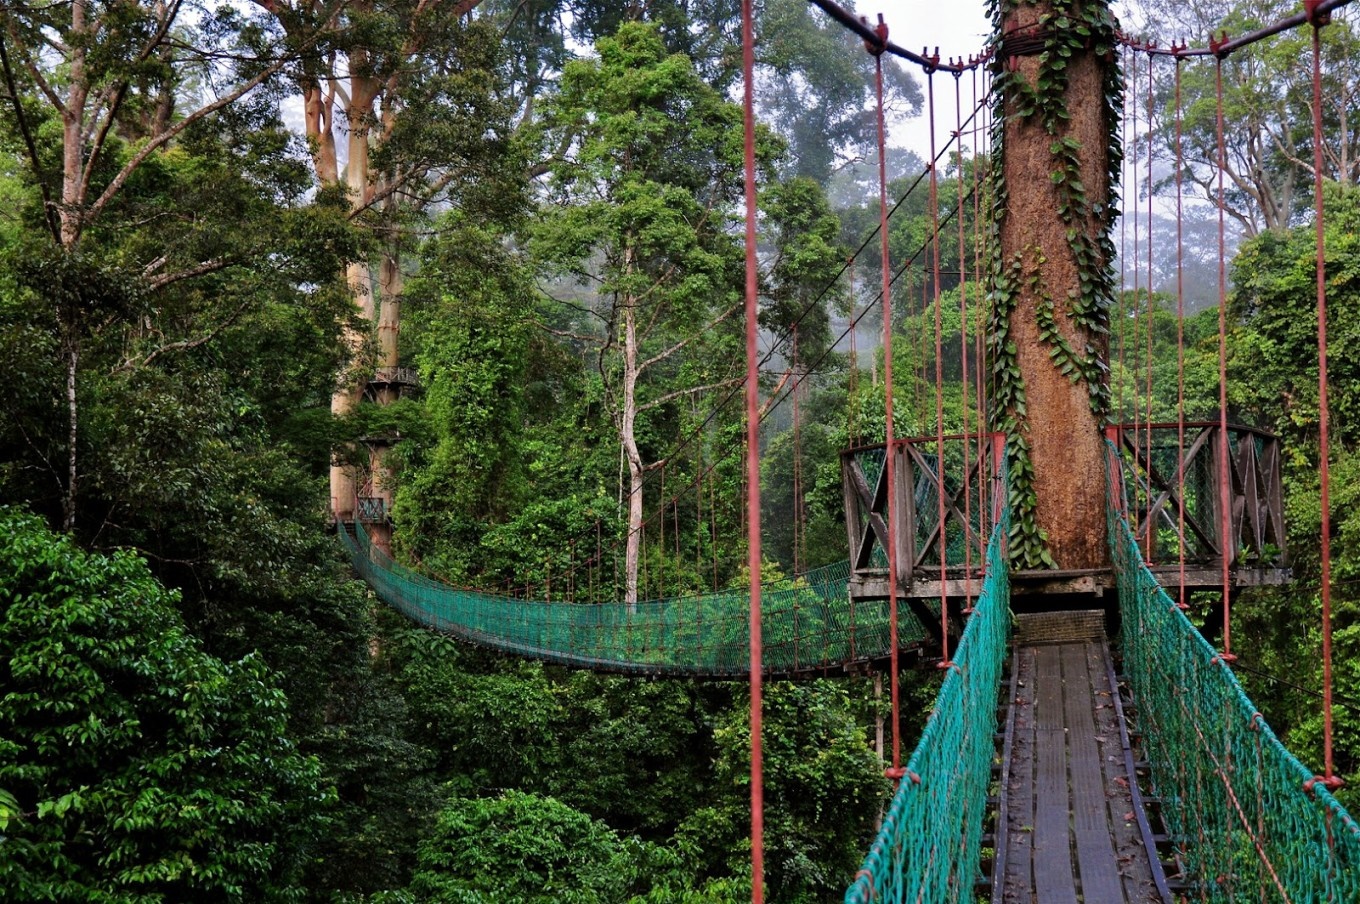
{"type": "Point", "coordinates": [1168, 474]}
{"type": "Point", "coordinates": [933, 557]}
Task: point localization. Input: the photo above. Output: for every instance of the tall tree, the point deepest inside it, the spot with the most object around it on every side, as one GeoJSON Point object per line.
{"type": "Point", "coordinates": [408, 89]}
{"type": "Point", "coordinates": [640, 207]}
{"type": "Point", "coordinates": [116, 80]}
{"type": "Point", "coordinates": [1268, 160]}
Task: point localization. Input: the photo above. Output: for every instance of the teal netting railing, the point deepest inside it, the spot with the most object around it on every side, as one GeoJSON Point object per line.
{"type": "Point", "coordinates": [929, 848]}
{"type": "Point", "coordinates": [810, 626]}
{"type": "Point", "coordinates": [1234, 799]}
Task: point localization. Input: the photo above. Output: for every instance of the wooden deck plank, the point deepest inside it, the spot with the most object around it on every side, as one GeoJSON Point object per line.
{"type": "Point", "coordinates": [1091, 817]}
{"type": "Point", "coordinates": [1054, 876]}
{"type": "Point", "coordinates": [1143, 880]}
{"type": "Point", "coordinates": [1072, 835]}
{"type": "Point", "coordinates": [1017, 877]}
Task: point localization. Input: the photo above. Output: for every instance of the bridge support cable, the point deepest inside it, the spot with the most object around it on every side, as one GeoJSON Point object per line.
{"type": "Point", "coordinates": [876, 48]}
{"type": "Point", "coordinates": [1180, 347]}
{"type": "Point", "coordinates": [1316, 19]}
{"type": "Point", "coordinates": [963, 358]}
{"type": "Point", "coordinates": [1224, 493]}
{"type": "Point", "coordinates": [756, 675]}
{"type": "Point", "coordinates": [1151, 302]}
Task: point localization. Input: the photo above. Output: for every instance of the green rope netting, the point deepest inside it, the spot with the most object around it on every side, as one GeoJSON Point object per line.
{"type": "Point", "coordinates": [810, 625]}
{"type": "Point", "coordinates": [1234, 798]}
{"type": "Point", "coordinates": [930, 845]}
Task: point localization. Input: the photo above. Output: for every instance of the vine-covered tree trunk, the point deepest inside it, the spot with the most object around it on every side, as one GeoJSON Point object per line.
{"type": "Point", "coordinates": [1058, 84]}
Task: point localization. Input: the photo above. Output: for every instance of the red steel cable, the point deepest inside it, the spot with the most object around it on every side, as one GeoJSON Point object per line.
{"type": "Point", "coordinates": [963, 358]}
{"type": "Point", "coordinates": [713, 520]}
{"type": "Point", "coordinates": [1123, 257]}
{"type": "Point", "coordinates": [919, 376]}
{"type": "Point", "coordinates": [753, 457]}
{"type": "Point", "coordinates": [980, 383]}
{"type": "Point", "coordinates": [698, 511]}
{"type": "Point", "coordinates": [661, 511]}
{"type": "Point", "coordinates": [890, 475]}
{"type": "Point", "coordinates": [1180, 349]}
{"type": "Point", "coordinates": [675, 514]}
{"type": "Point", "coordinates": [1226, 542]}
{"type": "Point", "coordinates": [1137, 277]}
{"type": "Point", "coordinates": [1151, 320]}
{"type": "Point", "coordinates": [852, 428]}
{"type": "Point", "coordinates": [796, 395]}
{"type": "Point", "coordinates": [939, 376]}
{"type": "Point", "coordinates": [1329, 777]}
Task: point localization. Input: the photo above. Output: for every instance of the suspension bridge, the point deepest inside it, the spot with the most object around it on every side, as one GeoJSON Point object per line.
{"type": "Point", "coordinates": [1054, 766]}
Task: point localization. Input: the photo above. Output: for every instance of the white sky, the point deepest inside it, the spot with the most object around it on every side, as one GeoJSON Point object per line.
{"type": "Point", "coordinates": [959, 28]}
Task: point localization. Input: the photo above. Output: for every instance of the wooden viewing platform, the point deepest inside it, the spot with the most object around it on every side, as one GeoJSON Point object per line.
{"type": "Point", "coordinates": [1071, 824]}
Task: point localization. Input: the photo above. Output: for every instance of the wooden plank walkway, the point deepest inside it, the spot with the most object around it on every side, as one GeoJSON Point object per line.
{"type": "Point", "coordinates": [1072, 831]}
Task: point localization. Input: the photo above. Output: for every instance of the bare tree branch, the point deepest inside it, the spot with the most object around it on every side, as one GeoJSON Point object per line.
{"type": "Point", "coordinates": [186, 344]}
{"type": "Point", "coordinates": [690, 391]}
{"type": "Point", "coordinates": [663, 355]}
{"type": "Point", "coordinates": [208, 266]}
{"type": "Point", "coordinates": [49, 209]}
{"type": "Point", "coordinates": [158, 141]}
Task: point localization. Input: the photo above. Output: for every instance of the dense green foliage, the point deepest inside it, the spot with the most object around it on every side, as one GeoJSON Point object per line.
{"type": "Point", "coordinates": [142, 767]}
{"type": "Point", "coordinates": [1274, 382]}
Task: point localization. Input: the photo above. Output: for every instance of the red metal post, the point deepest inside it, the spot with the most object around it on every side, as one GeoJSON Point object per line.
{"type": "Point", "coordinates": [1226, 542]}
{"type": "Point", "coordinates": [753, 460]}
{"type": "Point", "coordinates": [890, 475]}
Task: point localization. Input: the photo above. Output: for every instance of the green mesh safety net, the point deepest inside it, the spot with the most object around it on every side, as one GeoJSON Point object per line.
{"type": "Point", "coordinates": [1234, 799]}
{"type": "Point", "coordinates": [930, 845]}
{"type": "Point", "coordinates": [809, 626]}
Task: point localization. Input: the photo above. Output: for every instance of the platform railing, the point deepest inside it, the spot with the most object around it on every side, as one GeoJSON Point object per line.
{"type": "Point", "coordinates": [1166, 471]}
{"type": "Point", "coordinates": [967, 480]}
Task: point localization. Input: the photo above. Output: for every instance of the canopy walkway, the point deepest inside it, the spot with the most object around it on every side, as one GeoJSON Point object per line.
{"type": "Point", "coordinates": [810, 627]}
{"type": "Point", "coordinates": [1054, 780]}
{"type": "Point", "coordinates": [1057, 812]}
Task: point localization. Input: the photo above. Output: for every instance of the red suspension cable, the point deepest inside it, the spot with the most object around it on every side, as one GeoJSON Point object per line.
{"type": "Point", "coordinates": [796, 397]}
{"type": "Point", "coordinates": [1138, 313]}
{"type": "Point", "coordinates": [753, 458]}
{"type": "Point", "coordinates": [852, 428]}
{"type": "Point", "coordinates": [1123, 256]}
{"type": "Point", "coordinates": [939, 376]}
{"type": "Point", "coordinates": [1227, 543]}
{"type": "Point", "coordinates": [963, 359]}
{"type": "Point", "coordinates": [981, 318]}
{"type": "Point", "coordinates": [890, 475]}
{"type": "Point", "coordinates": [1329, 777]}
{"type": "Point", "coordinates": [1180, 350]}
{"type": "Point", "coordinates": [1151, 308]}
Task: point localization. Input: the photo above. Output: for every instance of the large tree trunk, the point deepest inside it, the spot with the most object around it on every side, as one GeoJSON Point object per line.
{"type": "Point", "coordinates": [349, 390]}
{"type": "Point", "coordinates": [1064, 432]}
{"type": "Point", "coordinates": [70, 217]}
{"type": "Point", "coordinates": [390, 284]}
{"type": "Point", "coordinates": [389, 358]}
